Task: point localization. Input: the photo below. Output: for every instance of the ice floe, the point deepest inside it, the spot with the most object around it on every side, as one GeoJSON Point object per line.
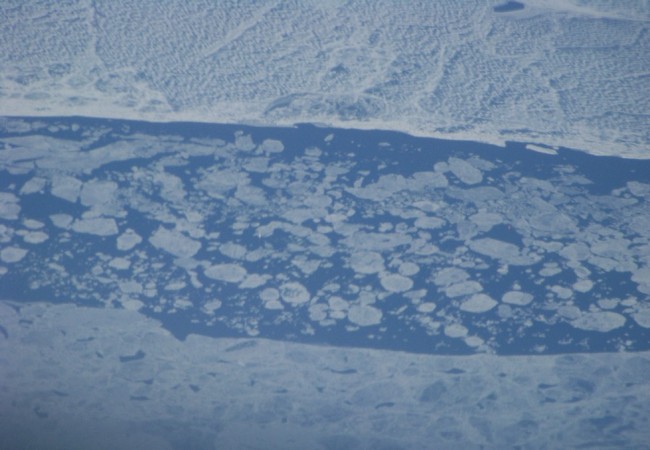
{"type": "Point", "coordinates": [601, 321]}
{"type": "Point", "coordinates": [174, 242]}
{"type": "Point", "coordinates": [364, 315]}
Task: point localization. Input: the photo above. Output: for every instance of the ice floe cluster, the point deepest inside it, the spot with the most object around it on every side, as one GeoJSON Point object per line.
{"type": "Point", "coordinates": [329, 235]}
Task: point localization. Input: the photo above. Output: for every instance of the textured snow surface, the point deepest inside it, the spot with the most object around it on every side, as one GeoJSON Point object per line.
{"type": "Point", "coordinates": [571, 73]}
{"type": "Point", "coordinates": [115, 379]}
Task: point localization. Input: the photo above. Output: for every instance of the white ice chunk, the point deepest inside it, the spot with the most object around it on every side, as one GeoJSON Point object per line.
{"type": "Point", "coordinates": [272, 146]}
{"type": "Point", "coordinates": [318, 312]}
{"type": "Point", "coordinates": [119, 263]}
{"type": "Point", "coordinates": [269, 294]}
{"type": "Point", "coordinates": [254, 280]}
{"type": "Point", "coordinates": [478, 303]}
{"type": "Point", "coordinates": [232, 250]}
{"type": "Point", "coordinates": [34, 185]}
{"type": "Point", "coordinates": [462, 289]}
{"type": "Point", "coordinates": [61, 220]}
{"type": "Point", "coordinates": [602, 321]}
{"type": "Point", "coordinates": [336, 303]}
{"type": "Point", "coordinates": [569, 312]}
{"type": "Point", "coordinates": [9, 207]}
{"type": "Point", "coordinates": [231, 273]}
{"type": "Point", "coordinates": [96, 192]}
{"type": "Point", "coordinates": [211, 306]}
{"type": "Point", "coordinates": [130, 287]}
{"type": "Point", "coordinates": [455, 330]}
{"type": "Point", "coordinates": [642, 317]}
{"type": "Point", "coordinates": [474, 341]}
{"type": "Point", "coordinates": [541, 149]}
{"type": "Point", "coordinates": [66, 187]}
{"type": "Point", "coordinates": [517, 298]}
{"type": "Point", "coordinates": [486, 220]}
{"type": "Point", "coordinates": [562, 292]}
{"type": "Point", "coordinates": [408, 269]}
{"type": "Point", "coordinates": [576, 252]}
{"type": "Point", "coordinates": [394, 282]}
{"type": "Point", "coordinates": [100, 226]}
{"type": "Point", "coordinates": [128, 240]}
{"type": "Point", "coordinates": [642, 275]}
{"type": "Point", "coordinates": [364, 315]}
{"type": "Point", "coordinates": [294, 293]}
{"type": "Point", "coordinates": [426, 307]}
{"type": "Point", "coordinates": [35, 237]}
{"type": "Point", "coordinates": [33, 224]}
{"type": "Point", "coordinates": [449, 276]}
{"type": "Point", "coordinates": [464, 171]}
{"type": "Point", "coordinates": [367, 262]}
{"type": "Point", "coordinates": [12, 254]}
{"type": "Point", "coordinates": [174, 242]}
{"type": "Point", "coordinates": [429, 222]}
{"type": "Point", "coordinates": [274, 305]}
{"type": "Point", "coordinates": [504, 251]}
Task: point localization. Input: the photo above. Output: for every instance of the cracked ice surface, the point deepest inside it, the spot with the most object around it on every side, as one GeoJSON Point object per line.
{"type": "Point", "coordinates": [571, 73]}
{"type": "Point", "coordinates": [115, 372]}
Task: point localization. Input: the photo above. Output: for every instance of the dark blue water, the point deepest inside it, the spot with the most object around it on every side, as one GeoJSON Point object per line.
{"type": "Point", "coordinates": [509, 7]}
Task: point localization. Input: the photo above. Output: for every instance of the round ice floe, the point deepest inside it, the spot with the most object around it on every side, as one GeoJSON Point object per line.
{"type": "Point", "coordinates": [474, 341]}
{"type": "Point", "coordinates": [364, 315]}
{"type": "Point", "coordinates": [12, 254]}
{"type": "Point", "coordinates": [426, 307]}
{"type": "Point", "coordinates": [408, 269]}
{"type": "Point", "coordinates": [517, 298]}
{"type": "Point", "coordinates": [317, 312]}
{"type": "Point", "coordinates": [231, 273]}
{"type": "Point", "coordinates": [269, 294]}
{"type": "Point", "coordinates": [131, 304]}
{"type": "Point", "coordinates": [642, 276]}
{"type": "Point", "coordinates": [394, 282]}
{"type": "Point", "coordinates": [478, 303]}
{"type": "Point", "coordinates": [465, 288]}
{"type": "Point", "coordinates": [128, 240]}
{"type": "Point", "coordinates": [602, 321]}
{"type": "Point", "coordinates": [61, 220]}
{"type": "Point", "coordinates": [337, 303]}
{"type": "Point", "coordinates": [35, 237]}
{"type": "Point", "coordinates": [274, 305]}
{"type": "Point", "coordinates": [366, 262]}
{"type": "Point", "coordinates": [272, 146]}
{"type": "Point", "coordinates": [254, 280]}
{"type": "Point", "coordinates": [294, 293]}
{"type": "Point", "coordinates": [119, 263]}
{"type": "Point", "coordinates": [33, 224]}
{"type": "Point", "coordinates": [583, 285]}
{"type": "Point", "coordinates": [642, 317]}
{"type": "Point", "coordinates": [455, 330]}
{"type": "Point", "coordinates": [569, 312]}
